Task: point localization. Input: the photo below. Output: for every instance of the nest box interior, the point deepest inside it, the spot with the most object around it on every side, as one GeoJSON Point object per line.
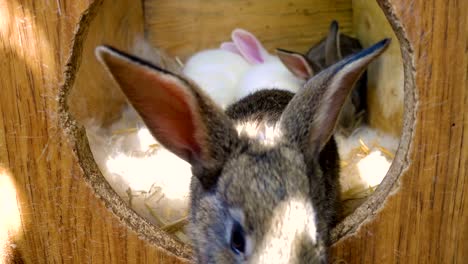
{"type": "Point", "coordinates": [181, 29]}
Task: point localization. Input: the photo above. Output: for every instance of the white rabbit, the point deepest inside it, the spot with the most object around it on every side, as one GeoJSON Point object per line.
{"type": "Point", "coordinates": [268, 71]}
{"type": "Point", "coordinates": [218, 71]}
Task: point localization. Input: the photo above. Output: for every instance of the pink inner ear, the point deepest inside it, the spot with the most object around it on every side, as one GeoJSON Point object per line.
{"type": "Point", "coordinates": [171, 118]}
{"type": "Point", "coordinates": [249, 46]}
{"type": "Point", "coordinates": [165, 104]}
{"type": "Point", "coordinates": [230, 46]}
{"type": "Point", "coordinates": [297, 64]}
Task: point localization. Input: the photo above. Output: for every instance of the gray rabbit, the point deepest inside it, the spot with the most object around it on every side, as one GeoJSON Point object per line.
{"type": "Point", "coordinates": [252, 201]}
{"type": "Point", "coordinates": [328, 51]}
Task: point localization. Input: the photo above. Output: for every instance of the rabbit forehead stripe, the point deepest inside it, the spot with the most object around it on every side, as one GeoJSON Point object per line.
{"type": "Point", "coordinates": [258, 178]}
{"type": "Point", "coordinates": [293, 223]}
{"type": "Point", "coordinates": [271, 187]}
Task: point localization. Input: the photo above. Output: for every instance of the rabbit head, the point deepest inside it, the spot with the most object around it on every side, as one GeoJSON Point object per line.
{"type": "Point", "coordinates": [267, 72]}
{"type": "Point", "coordinates": [328, 51]}
{"type": "Point", "coordinates": [249, 202]}
{"type": "Point", "coordinates": [319, 57]}
{"type": "Point", "coordinates": [334, 47]}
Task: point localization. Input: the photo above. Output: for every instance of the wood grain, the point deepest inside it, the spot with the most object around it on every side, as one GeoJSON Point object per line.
{"type": "Point", "coordinates": [89, 92]}
{"type": "Point", "coordinates": [94, 94]}
{"type": "Point", "coordinates": [200, 24]}
{"type": "Point", "coordinates": [426, 220]}
{"type": "Point", "coordinates": [385, 79]}
{"type": "Point", "coordinates": [62, 220]}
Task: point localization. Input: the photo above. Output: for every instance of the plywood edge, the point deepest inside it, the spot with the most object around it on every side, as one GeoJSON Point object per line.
{"type": "Point", "coordinates": [391, 183]}
{"type": "Point", "coordinates": [77, 137]}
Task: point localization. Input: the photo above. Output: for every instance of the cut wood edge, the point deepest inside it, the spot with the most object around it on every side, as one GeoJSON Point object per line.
{"type": "Point", "coordinates": [390, 185]}
{"type": "Point", "coordinates": [80, 146]}
{"type": "Point", "coordinates": [155, 236]}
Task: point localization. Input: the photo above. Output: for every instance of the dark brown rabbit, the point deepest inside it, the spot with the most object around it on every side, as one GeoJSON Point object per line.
{"type": "Point", "coordinates": [252, 200]}
{"type": "Point", "coordinates": [328, 51]}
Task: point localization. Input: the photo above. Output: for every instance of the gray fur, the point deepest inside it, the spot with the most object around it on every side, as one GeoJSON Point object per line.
{"type": "Point", "coordinates": [338, 46]}
{"type": "Point", "coordinates": [240, 174]}
{"type": "Point", "coordinates": [331, 49]}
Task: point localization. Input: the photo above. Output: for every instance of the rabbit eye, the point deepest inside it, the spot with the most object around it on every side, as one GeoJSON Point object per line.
{"type": "Point", "coordinates": [237, 238]}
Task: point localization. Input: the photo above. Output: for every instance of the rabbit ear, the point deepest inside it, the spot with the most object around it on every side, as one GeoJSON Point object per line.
{"type": "Point", "coordinates": [296, 63]}
{"type": "Point", "coordinates": [317, 53]}
{"type": "Point", "coordinates": [332, 44]}
{"type": "Point", "coordinates": [176, 112]}
{"type": "Point", "coordinates": [230, 46]}
{"type": "Point", "coordinates": [249, 46]}
{"type": "Point", "coordinates": [311, 116]}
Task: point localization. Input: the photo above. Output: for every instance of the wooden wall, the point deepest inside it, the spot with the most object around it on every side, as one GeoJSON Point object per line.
{"type": "Point", "coordinates": [385, 77]}
{"type": "Point", "coordinates": [61, 219]}
{"type": "Point", "coordinates": [50, 215]}
{"type": "Point", "coordinates": [295, 25]}
{"type": "Point", "coordinates": [426, 220]}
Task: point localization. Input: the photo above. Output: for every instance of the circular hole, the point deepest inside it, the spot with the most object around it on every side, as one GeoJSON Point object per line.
{"type": "Point", "coordinates": [117, 154]}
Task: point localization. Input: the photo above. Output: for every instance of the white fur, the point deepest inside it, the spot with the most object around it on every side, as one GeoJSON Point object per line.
{"type": "Point", "coordinates": [268, 71]}
{"type": "Point", "coordinates": [217, 72]}
{"type": "Point", "coordinates": [292, 220]}
{"type": "Point", "coordinates": [268, 75]}
{"type": "Point", "coordinates": [268, 135]}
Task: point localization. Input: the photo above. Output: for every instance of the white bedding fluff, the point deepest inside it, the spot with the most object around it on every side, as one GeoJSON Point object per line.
{"type": "Point", "coordinates": [366, 156]}
{"type": "Point", "coordinates": [155, 182]}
